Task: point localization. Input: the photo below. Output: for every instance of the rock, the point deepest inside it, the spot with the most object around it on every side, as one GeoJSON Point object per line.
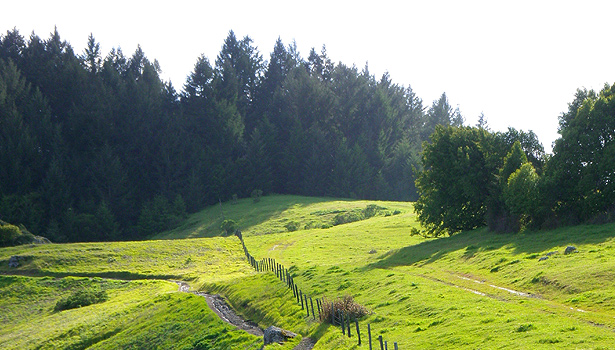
{"type": "Point", "coordinates": [278, 335]}
{"type": "Point", "coordinates": [40, 240]}
{"type": "Point", "coordinates": [14, 261]}
{"type": "Point", "coordinates": [570, 249]}
{"type": "Point", "coordinates": [543, 258]}
{"type": "Point", "coordinates": [551, 253]}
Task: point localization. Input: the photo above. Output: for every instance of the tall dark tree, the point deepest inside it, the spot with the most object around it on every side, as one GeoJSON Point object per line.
{"type": "Point", "coordinates": [580, 174]}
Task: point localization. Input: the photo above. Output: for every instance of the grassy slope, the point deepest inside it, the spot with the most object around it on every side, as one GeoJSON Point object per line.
{"type": "Point", "coordinates": [141, 314]}
{"type": "Point", "coordinates": [138, 315]}
{"type": "Point", "coordinates": [423, 293]}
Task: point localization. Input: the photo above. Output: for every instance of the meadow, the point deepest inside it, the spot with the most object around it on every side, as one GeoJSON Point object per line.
{"type": "Point", "coordinates": [472, 290]}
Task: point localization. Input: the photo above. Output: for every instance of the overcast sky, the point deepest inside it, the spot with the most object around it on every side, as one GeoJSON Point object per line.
{"type": "Point", "coordinates": [518, 62]}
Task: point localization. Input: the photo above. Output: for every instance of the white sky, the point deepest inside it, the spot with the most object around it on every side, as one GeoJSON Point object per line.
{"type": "Point", "coordinates": [519, 62]}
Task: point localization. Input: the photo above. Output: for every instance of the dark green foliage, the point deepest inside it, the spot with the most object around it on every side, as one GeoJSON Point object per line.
{"type": "Point", "coordinates": [98, 147]}
{"type": "Point", "coordinates": [229, 226]}
{"type": "Point", "coordinates": [465, 173]}
{"type": "Point", "coordinates": [512, 162]}
{"type": "Point", "coordinates": [81, 298]}
{"type": "Point", "coordinates": [454, 186]}
{"type": "Point", "coordinates": [256, 195]}
{"type": "Point", "coordinates": [347, 217]}
{"type": "Point", "coordinates": [8, 233]}
{"type": "Point", "coordinates": [579, 178]}
{"type": "Point", "coordinates": [521, 193]}
{"type": "Point", "coordinates": [95, 147]}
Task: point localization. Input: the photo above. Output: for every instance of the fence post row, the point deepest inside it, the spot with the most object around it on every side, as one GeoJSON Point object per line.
{"type": "Point", "coordinates": [269, 264]}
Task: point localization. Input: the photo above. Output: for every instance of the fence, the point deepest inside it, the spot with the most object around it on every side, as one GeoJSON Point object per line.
{"type": "Point", "coordinates": [338, 318]}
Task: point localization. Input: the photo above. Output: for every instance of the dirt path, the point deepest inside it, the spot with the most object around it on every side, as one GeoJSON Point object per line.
{"type": "Point", "coordinates": [218, 305]}
{"type": "Point", "coordinates": [305, 344]}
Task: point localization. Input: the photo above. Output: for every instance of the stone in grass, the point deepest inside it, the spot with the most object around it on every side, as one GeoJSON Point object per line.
{"type": "Point", "coordinates": [570, 249]}
{"type": "Point", "coordinates": [278, 335]}
{"type": "Point", "coordinates": [543, 258]}
{"type": "Point", "coordinates": [14, 261]}
{"type": "Point", "coordinates": [551, 253]}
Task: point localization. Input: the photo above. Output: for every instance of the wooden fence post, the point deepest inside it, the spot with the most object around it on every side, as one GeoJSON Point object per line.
{"type": "Point", "coordinates": [343, 323]}
{"type": "Point", "coordinates": [312, 304]}
{"type": "Point", "coordinates": [356, 322]}
{"type": "Point", "coordinates": [395, 344]}
{"type": "Point", "coordinates": [369, 336]}
{"type": "Point", "coordinates": [381, 344]}
{"type": "Point", "coordinates": [386, 345]}
{"type": "Point", "coordinates": [301, 297]}
{"type": "Point", "coordinates": [307, 307]}
{"type": "Point", "coordinates": [348, 324]}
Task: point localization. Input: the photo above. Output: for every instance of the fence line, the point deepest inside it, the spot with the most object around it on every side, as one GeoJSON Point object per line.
{"type": "Point", "coordinates": [270, 265]}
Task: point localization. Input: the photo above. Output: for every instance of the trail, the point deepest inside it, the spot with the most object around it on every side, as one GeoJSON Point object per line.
{"type": "Point", "coordinates": [490, 290]}
{"type": "Point", "coordinates": [218, 305]}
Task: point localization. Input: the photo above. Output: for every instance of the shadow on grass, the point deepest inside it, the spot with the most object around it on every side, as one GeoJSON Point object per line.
{"type": "Point", "coordinates": [245, 212]}
{"type": "Point", "coordinates": [119, 275]}
{"type": "Point", "coordinates": [479, 240]}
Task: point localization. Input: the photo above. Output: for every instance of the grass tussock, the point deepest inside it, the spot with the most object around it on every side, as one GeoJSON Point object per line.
{"type": "Point", "coordinates": [346, 304]}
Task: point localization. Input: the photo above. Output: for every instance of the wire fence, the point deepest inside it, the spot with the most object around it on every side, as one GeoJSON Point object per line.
{"type": "Point", "coordinates": [315, 306]}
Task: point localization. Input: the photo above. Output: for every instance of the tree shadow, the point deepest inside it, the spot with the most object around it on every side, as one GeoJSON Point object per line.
{"type": "Point", "coordinates": [245, 212]}
{"type": "Point", "coordinates": [472, 242]}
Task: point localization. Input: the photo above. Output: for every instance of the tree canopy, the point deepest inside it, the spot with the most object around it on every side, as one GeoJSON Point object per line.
{"type": "Point", "coordinates": [96, 147]}
{"type": "Point", "coordinates": [474, 177]}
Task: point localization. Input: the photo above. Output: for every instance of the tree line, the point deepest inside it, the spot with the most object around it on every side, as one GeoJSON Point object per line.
{"type": "Point", "coordinates": [98, 147]}
{"type": "Point", "coordinates": [473, 177]}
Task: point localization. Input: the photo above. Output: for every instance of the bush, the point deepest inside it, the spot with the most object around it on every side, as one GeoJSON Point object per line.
{"type": "Point", "coordinates": [346, 304]}
{"type": "Point", "coordinates": [256, 195]}
{"type": "Point", "coordinates": [8, 234]}
{"type": "Point", "coordinates": [229, 226]}
{"type": "Point", "coordinates": [81, 298]}
{"type": "Point", "coordinates": [347, 217]}
{"type": "Point", "coordinates": [26, 238]}
{"type": "Point", "coordinates": [372, 210]}
{"type": "Point", "coordinates": [292, 226]}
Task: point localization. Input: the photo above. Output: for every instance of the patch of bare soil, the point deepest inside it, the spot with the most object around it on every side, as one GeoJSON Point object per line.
{"type": "Point", "coordinates": [305, 344]}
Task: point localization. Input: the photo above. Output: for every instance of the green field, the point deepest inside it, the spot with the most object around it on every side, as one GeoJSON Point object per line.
{"type": "Point", "coordinates": [473, 290]}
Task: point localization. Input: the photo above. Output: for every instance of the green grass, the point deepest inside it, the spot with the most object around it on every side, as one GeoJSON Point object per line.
{"type": "Point", "coordinates": [138, 315]}
{"type": "Point", "coordinates": [190, 259]}
{"type": "Point", "coordinates": [273, 214]}
{"type": "Point", "coordinates": [453, 292]}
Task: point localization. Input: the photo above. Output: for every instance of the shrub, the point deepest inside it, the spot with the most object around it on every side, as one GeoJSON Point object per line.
{"type": "Point", "coordinates": [81, 298]}
{"type": "Point", "coordinates": [372, 210]}
{"type": "Point", "coordinates": [256, 195]}
{"type": "Point", "coordinates": [347, 217]}
{"type": "Point", "coordinates": [229, 226]}
{"type": "Point", "coordinates": [346, 304]}
{"type": "Point", "coordinates": [292, 226]}
{"type": "Point", "coordinates": [8, 234]}
{"type": "Point", "coordinates": [26, 238]}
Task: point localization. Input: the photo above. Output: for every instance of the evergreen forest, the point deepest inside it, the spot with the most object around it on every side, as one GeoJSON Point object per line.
{"type": "Point", "coordinates": [96, 146]}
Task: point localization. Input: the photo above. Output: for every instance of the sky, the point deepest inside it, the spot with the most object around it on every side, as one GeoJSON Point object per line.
{"type": "Point", "coordinates": [517, 62]}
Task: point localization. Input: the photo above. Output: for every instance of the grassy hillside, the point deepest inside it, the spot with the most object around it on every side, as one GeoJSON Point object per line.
{"type": "Point", "coordinates": [472, 290]}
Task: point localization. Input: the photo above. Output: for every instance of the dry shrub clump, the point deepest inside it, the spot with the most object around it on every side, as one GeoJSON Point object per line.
{"type": "Point", "coordinates": [346, 304]}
